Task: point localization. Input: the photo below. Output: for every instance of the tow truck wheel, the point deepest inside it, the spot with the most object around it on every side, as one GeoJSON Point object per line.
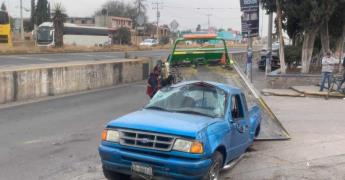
{"type": "Point", "coordinates": [216, 167]}
{"type": "Point", "coordinates": [111, 175]}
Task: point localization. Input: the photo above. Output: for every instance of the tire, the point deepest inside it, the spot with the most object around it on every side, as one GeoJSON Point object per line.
{"type": "Point", "coordinates": [216, 167]}
{"type": "Point", "coordinates": [257, 131]}
{"type": "Point", "coordinates": [112, 175]}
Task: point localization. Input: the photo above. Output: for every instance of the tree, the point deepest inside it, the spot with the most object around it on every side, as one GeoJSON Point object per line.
{"type": "Point", "coordinates": [42, 12]}
{"type": "Point", "coordinates": [58, 22]}
{"type": "Point", "coordinates": [305, 18]}
{"type": "Point", "coordinates": [48, 12]}
{"type": "Point", "coordinates": [119, 8]}
{"type": "Point", "coordinates": [281, 37]}
{"type": "Point", "coordinates": [141, 10]}
{"type": "Point", "coordinates": [278, 6]}
{"type": "Point", "coordinates": [198, 28]}
{"type": "Point", "coordinates": [122, 36]}
{"type": "Point", "coordinates": [33, 15]}
{"type": "Point", "coordinates": [3, 6]}
{"type": "Point", "coordinates": [337, 28]}
{"type": "Point", "coordinates": [328, 7]}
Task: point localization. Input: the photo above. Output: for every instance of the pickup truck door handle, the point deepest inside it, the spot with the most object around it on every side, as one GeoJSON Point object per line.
{"type": "Point", "coordinates": [241, 128]}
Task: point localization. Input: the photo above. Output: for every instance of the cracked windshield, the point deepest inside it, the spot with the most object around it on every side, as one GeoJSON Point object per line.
{"type": "Point", "coordinates": [172, 89]}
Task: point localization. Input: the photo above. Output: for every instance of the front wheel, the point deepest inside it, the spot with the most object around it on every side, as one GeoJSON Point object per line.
{"type": "Point", "coordinates": [216, 167]}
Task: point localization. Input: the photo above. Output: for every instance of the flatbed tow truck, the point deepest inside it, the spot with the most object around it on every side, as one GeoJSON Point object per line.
{"type": "Point", "coordinates": [194, 128]}
{"type": "Point", "coordinates": [205, 57]}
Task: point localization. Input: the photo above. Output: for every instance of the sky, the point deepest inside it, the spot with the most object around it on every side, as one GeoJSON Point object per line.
{"type": "Point", "coordinates": [188, 13]}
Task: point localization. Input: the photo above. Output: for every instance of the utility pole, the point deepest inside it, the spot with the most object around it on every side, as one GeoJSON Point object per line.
{"type": "Point", "coordinates": [21, 21]}
{"type": "Point", "coordinates": [157, 7]}
{"type": "Point", "coordinates": [208, 21]}
{"type": "Point", "coordinates": [269, 44]}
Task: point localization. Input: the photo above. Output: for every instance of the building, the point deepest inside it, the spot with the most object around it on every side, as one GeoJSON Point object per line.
{"type": "Point", "coordinates": [113, 22]}
{"type": "Point", "coordinates": [164, 31]}
{"type": "Point", "coordinates": [81, 21]}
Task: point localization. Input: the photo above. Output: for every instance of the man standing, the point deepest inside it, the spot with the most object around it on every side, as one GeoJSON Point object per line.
{"type": "Point", "coordinates": [249, 63]}
{"type": "Point", "coordinates": [328, 63]}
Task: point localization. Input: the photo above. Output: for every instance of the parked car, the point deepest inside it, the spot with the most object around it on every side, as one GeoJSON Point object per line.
{"type": "Point", "coordinates": [189, 130]}
{"type": "Point", "coordinates": [149, 42]}
{"type": "Point", "coordinates": [275, 63]}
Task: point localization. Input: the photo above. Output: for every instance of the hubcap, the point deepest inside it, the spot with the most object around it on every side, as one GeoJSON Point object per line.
{"type": "Point", "coordinates": [214, 172]}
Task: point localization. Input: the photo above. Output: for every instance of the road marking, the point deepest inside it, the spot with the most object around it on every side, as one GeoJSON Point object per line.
{"type": "Point", "coordinates": [33, 141]}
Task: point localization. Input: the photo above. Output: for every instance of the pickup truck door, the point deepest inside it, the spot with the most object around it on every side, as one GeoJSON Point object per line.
{"type": "Point", "coordinates": [239, 126]}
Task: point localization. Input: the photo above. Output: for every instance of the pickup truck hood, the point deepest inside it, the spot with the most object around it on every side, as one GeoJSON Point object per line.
{"type": "Point", "coordinates": [180, 124]}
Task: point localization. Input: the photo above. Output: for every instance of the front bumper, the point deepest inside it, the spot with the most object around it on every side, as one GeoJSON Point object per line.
{"type": "Point", "coordinates": [164, 167]}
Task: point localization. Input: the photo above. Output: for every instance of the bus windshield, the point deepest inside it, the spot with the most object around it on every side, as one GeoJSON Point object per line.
{"type": "Point", "coordinates": [4, 19]}
{"type": "Point", "coordinates": [45, 34]}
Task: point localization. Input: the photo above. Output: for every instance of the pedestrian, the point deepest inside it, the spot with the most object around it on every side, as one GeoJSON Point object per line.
{"type": "Point", "coordinates": [343, 80]}
{"type": "Point", "coordinates": [249, 63]}
{"type": "Point", "coordinates": [153, 83]}
{"type": "Point", "coordinates": [328, 63]}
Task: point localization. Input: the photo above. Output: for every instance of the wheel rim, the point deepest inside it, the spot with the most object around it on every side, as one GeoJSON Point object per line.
{"type": "Point", "coordinates": [214, 171]}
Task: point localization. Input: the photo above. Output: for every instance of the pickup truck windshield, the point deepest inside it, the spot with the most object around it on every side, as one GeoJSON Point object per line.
{"type": "Point", "coordinates": [197, 99]}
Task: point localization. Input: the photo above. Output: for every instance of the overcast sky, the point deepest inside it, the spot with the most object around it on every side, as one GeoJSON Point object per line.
{"type": "Point", "coordinates": [188, 13]}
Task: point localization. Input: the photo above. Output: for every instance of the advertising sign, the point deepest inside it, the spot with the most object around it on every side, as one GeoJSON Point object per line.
{"type": "Point", "coordinates": [249, 4]}
{"type": "Point", "coordinates": [250, 23]}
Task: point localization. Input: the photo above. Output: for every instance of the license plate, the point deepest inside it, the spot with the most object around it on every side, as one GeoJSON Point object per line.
{"type": "Point", "coordinates": [142, 169]}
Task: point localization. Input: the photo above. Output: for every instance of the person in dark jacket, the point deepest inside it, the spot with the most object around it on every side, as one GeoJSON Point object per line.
{"type": "Point", "coordinates": [153, 83]}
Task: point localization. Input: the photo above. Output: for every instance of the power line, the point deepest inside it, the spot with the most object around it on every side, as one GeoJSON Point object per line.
{"type": "Point", "coordinates": [201, 8]}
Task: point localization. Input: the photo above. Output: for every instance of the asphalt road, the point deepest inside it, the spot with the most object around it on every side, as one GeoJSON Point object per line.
{"type": "Point", "coordinates": [57, 139]}
{"type": "Point", "coordinates": [15, 60]}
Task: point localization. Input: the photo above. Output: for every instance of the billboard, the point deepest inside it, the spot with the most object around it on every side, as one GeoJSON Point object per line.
{"type": "Point", "coordinates": [249, 4]}
{"type": "Point", "coordinates": [250, 23]}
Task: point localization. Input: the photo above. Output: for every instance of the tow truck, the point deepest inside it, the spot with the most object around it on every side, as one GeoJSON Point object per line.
{"type": "Point", "coordinates": [189, 130]}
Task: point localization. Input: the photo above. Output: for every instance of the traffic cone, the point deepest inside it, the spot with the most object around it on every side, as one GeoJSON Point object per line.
{"type": "Point", "coordinates": [223, 60]}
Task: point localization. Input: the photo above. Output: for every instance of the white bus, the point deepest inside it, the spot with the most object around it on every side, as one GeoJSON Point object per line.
{"type": "Point", "coordinates": [73, 35]}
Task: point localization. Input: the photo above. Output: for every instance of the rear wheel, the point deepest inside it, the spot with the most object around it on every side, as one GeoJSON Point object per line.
{"type": "Point", "coordinates": [111, 175]}
{"type": "Point", "coordinates": [216, 167]}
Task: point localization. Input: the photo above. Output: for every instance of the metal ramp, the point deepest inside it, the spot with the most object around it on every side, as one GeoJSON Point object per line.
{"type": "Point", "coordinates": [271, 128]}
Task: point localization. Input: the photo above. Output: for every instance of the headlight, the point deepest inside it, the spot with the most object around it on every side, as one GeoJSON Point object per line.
{"type": "Point", "coordinates": [194, 147]}
{"type": "Point", "coordinates": [110, 135]}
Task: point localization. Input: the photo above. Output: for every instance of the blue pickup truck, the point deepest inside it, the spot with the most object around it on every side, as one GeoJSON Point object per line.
{"type": "Point", "coordinates": [189, 130]}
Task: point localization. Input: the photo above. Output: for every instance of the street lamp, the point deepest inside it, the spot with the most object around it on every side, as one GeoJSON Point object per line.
{"type": "Point", "coordinates": [21, 21]}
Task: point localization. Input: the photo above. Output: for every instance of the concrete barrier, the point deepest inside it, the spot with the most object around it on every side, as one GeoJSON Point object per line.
{"type": "Point", "coordinates": [23, 83]}
{"type": "Point", "coordinates": [275, 80]}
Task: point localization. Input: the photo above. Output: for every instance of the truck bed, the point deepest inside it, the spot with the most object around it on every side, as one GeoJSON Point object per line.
{"type": "Point", "coordinates": [271, 128]}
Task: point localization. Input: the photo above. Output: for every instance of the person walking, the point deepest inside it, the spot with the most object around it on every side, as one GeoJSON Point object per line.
{"type": "Point", "coordinates": [328, 63]}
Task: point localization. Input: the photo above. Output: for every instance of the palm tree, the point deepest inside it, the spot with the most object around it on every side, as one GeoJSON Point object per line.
{"type": "Point", "coordinates": [58, 21]}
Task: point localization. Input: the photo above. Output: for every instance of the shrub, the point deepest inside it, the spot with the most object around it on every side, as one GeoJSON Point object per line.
{"type": "Point", "coordinates": [122, 36]}
{"type": "Point", "coordinates": [164, 40]}
{"type": "Point", "coordinates": [293, 55]}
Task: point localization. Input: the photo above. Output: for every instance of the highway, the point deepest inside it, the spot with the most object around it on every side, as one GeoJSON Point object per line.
{"type": "Point", "coordinates": [17, 60]}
